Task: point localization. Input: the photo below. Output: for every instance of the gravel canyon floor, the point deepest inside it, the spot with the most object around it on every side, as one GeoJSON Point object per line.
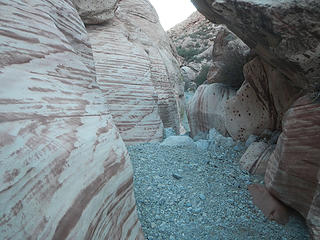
{"type": "Point", "coordinates": [185, 192]}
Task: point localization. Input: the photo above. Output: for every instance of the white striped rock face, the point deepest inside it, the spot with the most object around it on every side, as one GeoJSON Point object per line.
{"type": "Point", "coordinates": [64, 170]}
{"type": "Point", "coordinates": [137, 72]}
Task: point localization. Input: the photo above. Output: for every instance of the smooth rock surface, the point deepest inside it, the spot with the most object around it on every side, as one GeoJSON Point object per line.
{"type": "Point", "coordinates": [64, 170]}
{"type": "Point", "coordinates": [271, 207]}
{"type": "Point", "coordinates": [206, 109]}
{"type": "Point", "coordinates": [293, 170]}
{"type": "Point", "coordinates": [138, 73]}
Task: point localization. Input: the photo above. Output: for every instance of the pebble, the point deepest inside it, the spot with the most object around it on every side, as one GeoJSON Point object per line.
{"type": "Point", "coordinates": [176, 176]}
{"type": "Point", "coordinates": [200, 201]}
{"type": "Point", "coordinates": [202, 196]}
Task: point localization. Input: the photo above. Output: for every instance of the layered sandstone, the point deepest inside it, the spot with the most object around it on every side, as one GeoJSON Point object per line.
{"type": "Point", "coordinates": [206, 109]}
{"type": "Point", "coordinates": [64, 169]}
{"type": "Point", "coordinates": [293, 171]}
{"type": "Point", "coordinates": [285, 36]}
{"type": "Point", "coordinates": [137, 72]}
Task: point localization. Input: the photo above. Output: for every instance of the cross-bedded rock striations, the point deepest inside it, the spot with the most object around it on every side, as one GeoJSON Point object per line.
{"type": "Point", "coordinates": [137, 72]}
{"type": "Point", "coordinates": [206, 109]}
{"type": "Point", "coordinates": [293, 170]}
{"type": "Point", "coordinates": [64, 169]}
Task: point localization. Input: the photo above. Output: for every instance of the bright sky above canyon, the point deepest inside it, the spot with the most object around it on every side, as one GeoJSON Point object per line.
{"type": "Point", "coordinates": [172, 12]}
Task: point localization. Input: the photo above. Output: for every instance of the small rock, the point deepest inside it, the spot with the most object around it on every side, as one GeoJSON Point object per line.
{"type": "Point", "coordinates": [202, 196]}
{"type": "Point", "coordinates": [162, 227]}
{"type": "Point", "coordinates": [176, 176]}
{"type": "Point", "coordinates": [153, 225]}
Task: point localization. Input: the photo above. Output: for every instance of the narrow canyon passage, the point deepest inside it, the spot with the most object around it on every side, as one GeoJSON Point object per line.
{"type": "Point", "coordinates": [186, 192]}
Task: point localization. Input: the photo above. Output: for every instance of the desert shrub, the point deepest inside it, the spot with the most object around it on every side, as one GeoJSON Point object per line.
{"type": "Point", "coordinates": [188, 53]}
{"type": "Point", "coordinates": [202, 76]}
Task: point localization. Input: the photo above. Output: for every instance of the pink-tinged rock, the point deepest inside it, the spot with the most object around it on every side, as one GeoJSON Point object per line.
{"type": "Point", "coordinates": [256, 158]}
{"type": "Point", "coordinates": [271, 207]}
{"type": "Point", "coordinates": [137, 72]}
{"type": "Point", "coordinates": [64, 170]}
{"type": "Point", "coordinates": [293, 170]}
{"type": "Point", "coordinates": [206, 109]}
{"type": "Point", "coordinates": [95, 11]}
{"type": "Point", "coordinates": [274, 90]}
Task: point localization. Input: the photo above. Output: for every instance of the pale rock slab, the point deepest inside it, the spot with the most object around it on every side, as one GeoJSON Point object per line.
{"type": "Point", "coordinates": [256, 158]}
{"type": "Point", "coordinates": [293, 170]}
{"type": "Point", "coordinates": [206, 109]}
{"type": "Point", "coordinates": [137, 72]}
{"type": "Point", "coordinates": [64, 169]}
{"type": "Point", "coordinates": [95, 11]}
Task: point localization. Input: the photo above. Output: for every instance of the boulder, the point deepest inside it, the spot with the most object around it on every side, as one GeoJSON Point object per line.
{"type": "Point", "coordinates": [260, 102]}
{"type": "Point", "coordinates": [246, 115]}
{"type": "Point", "coordinates": [189, 76]}
{"type": "Point", "coordinates": [206, 109]}
{"type": "Point", "coordinates": [274, 90]}
{"type": "Point", "coordinates": [229, 55]}
{"type": "Point", "coordinates": [256, 158]}
{"type": "Point", "coordinates": [94, 11]}
{"type": "Point", "coordinates": [293, 170]}
{"type": "Point", "coordinates": [271, 207]}
{"type": "Point", "coordinates": [137, 72]}
{"type": "Point", "coordinates": [64, 170]}
{"type": "Point", "coordinates": [285, 34]}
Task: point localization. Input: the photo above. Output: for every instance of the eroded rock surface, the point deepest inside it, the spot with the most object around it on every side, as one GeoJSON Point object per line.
{"type": "Point", "coordinates": [293, 170]}
{"type": "Point", "coordinates": [138, 73]}
{"type": "Point", "coordinates": [284, 33]}
{"type": "Point", "coordinates": [229, 55]}
{"type": "Point", "coordinates": [64, 170]}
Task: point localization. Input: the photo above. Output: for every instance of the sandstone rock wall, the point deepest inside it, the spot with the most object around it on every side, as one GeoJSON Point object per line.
{"type": "Point", "coordinates": [285, 36]}
{"type": "Point", "coordinates": [137, 72]}
{"type": "Point", "coordinates": [293, 171]}
{"type": "Point", "coordinates": [64, 169]}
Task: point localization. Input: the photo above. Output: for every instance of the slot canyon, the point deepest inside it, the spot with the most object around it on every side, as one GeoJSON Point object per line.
{"type": "Point", "coordinates": [113, 128]}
